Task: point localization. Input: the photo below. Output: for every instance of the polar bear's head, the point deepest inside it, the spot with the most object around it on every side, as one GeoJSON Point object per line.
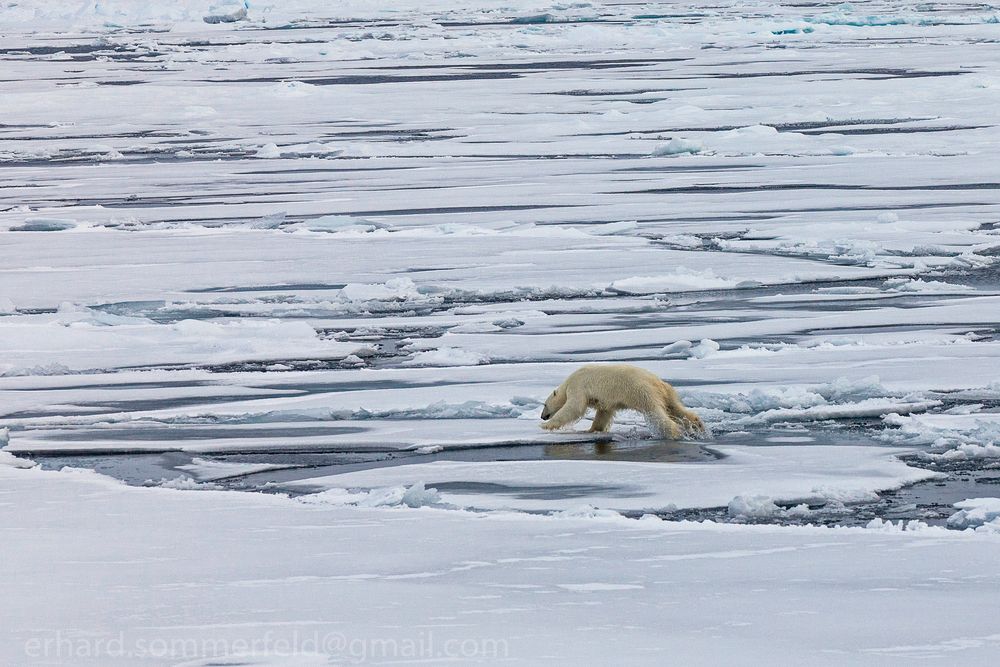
{"type": "Point", "coordinates": [556, 400]}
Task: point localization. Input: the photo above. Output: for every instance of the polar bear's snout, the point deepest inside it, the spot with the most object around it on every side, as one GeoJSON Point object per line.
{"type": "Point", "coordinates": [552, 404]}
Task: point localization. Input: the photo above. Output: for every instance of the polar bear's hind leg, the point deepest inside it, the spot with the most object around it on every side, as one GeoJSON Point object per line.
{"type": "Point", "coordinates": [666, 427]}
{"type": "Point", "coordinates": [674, 407]}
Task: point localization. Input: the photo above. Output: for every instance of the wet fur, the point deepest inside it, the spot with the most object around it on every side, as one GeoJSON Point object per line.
{"type": "Point", "coordinates": [609, 388]}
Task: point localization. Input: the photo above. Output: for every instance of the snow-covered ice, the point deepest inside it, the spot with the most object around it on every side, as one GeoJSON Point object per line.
{"type": "Point", "coordinates": [335, 255]}
{"type": "Point", "coordinates": [270, 580]}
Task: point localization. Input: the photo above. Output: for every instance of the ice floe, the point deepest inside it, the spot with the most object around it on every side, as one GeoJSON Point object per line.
{"type": "Point", "coordinates": [965, 436]}
{"type": "Point", "coordinates": [976, 513]}
{"type": "Point", "coordinates": [783, 473]}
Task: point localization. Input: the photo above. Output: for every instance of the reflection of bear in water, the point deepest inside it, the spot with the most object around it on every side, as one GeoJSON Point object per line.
{"type": "Point", "coordinates": [612, 387]}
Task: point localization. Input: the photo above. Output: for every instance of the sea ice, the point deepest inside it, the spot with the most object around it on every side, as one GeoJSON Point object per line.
{"type": "Point", "coordinates": [787, 474]}
{"type": "Point", "coordinates": [680, 280]}
{"type": "Point", "coordinates": [678, 146]}
{"type": "Point", "coordinates": [975, 512]}
{"type": "Point", "coordinates": [447, 356]}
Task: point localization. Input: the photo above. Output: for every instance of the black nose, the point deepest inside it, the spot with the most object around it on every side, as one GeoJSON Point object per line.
{"type": "Point", "coordinates": [545, 415]}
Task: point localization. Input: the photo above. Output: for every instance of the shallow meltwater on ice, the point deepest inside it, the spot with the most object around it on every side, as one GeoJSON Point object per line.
{"type": "Point", "coordinates": [285, 466]}
{"type": "Point", "coordinates": [302, 473]}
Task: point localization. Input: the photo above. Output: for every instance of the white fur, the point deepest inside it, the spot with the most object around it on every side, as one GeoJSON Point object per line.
{"type": "Point", "coordinates": [611, 387]}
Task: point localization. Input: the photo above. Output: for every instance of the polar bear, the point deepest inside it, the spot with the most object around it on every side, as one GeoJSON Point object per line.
{"type": "Point", "coordinates": [611, 387]}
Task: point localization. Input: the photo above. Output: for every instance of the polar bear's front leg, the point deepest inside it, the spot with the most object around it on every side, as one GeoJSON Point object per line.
{"type": "Point", "coordinates": [570, 413]}
{"type": "Point", "coordinates": [602, 421]}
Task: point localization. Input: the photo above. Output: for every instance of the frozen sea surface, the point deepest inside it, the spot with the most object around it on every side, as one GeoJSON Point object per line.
{"type": "Point", "coordinates": [338, 255]}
